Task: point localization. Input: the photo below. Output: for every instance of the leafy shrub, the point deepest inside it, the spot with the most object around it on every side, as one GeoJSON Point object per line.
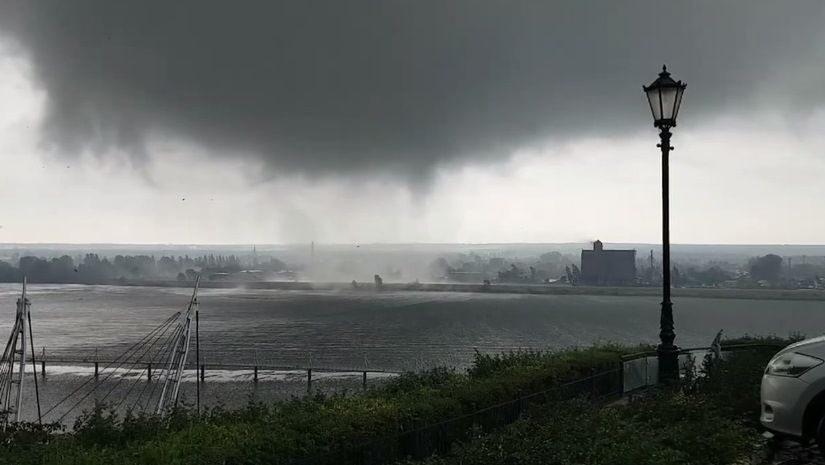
{"type": "Point", "coordinates": [712, 407]}
{"type": "Point", "coordinates": [309, 426]}
{"type": "Point", "coordinates": [710, 418]}
{"type": "Point", "coordinates": [659, 429]}
{"type": "Point", "coordinates": [572, 361]}
{"type": "Point", "coordinates": [27, 434]}
{"type": "Point", "coordinates": [773, 339]}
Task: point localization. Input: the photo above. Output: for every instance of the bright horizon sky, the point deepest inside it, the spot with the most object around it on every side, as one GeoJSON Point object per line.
{"type": "Point", "coordinates": [739, 175]}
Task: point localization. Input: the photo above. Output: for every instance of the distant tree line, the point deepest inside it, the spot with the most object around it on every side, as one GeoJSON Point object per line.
{"type": "Point", "coordinates": [94, 269]}
{"type": "Point", "coordinates": [475, 268]}
{"type": "Point", "coordinates": [767, 268]}
{"type": "Point", "coordinates": [763, 271]}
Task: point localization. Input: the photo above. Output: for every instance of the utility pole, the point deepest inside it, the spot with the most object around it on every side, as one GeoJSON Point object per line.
{"type": "Point", "coordinates": [312, 260]}
{"type": "Point", "coordinates": [197, 361]}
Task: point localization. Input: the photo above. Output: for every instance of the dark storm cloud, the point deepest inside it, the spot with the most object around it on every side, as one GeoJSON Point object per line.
{"type": "Point", "coordinates": [398, 86]}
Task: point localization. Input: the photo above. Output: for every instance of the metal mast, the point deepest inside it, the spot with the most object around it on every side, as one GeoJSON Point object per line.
{"type": "Point", "coordinates": [177, 362]}
{"type": "Point", "coordinates": [13, 362]}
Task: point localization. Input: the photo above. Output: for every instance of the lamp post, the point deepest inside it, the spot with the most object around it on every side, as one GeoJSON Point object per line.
{"type": "Point", "coordinates": [665, 96]}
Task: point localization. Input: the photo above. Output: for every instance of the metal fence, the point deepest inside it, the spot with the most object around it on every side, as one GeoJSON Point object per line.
{"type": "Point", "coordinates": [641, 370]}
{"type": "Point", "coordinates": [100, 363]}
{"type": "Point", "coordinates": [416, 441]}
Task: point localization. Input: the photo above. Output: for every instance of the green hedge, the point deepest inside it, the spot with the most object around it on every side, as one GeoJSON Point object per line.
{"type": "Point", "coordinates": [654, 430]}
{"type": "Point", "coordinates": [303, 427]}
{"type": "Point", "coordinates": [711, 418]}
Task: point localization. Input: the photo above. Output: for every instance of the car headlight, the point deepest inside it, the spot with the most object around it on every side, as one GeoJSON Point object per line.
{"type": "Point", "coordinates": [792, 364]}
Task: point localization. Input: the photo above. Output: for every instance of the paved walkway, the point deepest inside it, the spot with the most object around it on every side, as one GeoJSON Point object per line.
{"type": "Point", "coordinates": [789, 453]}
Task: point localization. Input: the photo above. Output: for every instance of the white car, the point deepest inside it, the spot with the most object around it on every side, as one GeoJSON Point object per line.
{"type": "Point", "coordinates": [793, 392]}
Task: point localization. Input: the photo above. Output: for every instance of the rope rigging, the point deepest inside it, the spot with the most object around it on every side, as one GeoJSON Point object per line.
{"type": "Point", "coordinates": [138, 378]}
{"type": "Point", "coordinates": [116, 360]}
{"type": "Point", "coordinates": [139, 359]}
{"type": "Point", "coordinates": [165, 357]}
{"type": "Point", "coordinates": [166, 345]}
{"type": "Point", "coordinates": [101, 383]}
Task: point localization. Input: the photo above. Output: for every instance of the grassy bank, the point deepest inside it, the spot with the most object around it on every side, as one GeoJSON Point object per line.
{"type": "Point", "coordinates": [304, 428]}
{"type": "Point", "coordinates": [655, 430]}
{"type": "Point", "coordinates": [711, 419]}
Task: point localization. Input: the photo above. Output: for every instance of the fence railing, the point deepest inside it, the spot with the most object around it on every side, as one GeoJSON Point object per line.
{"type": "Point", "coordinates": [415, 441]}
{"type": "Point", "coordinates": [151, 371]}
{"type": "Point", "coordinates": [640, 370]}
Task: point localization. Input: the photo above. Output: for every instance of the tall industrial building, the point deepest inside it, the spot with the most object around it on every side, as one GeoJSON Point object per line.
{"type": "Point", "coordinates": [602, 267]}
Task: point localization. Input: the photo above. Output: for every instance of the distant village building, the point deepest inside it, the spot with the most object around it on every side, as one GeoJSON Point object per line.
{"type": "Point", "coordinates": [608, 267]}
{"type": "Point", "coordinates": [465, 276]}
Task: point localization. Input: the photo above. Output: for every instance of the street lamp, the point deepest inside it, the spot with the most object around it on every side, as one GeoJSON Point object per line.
{"type": "Point", "coordinates": [665, 96]}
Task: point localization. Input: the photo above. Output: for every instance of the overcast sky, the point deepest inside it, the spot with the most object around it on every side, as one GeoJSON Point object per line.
{"type": "Point", "coordinates": [407, 121]}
